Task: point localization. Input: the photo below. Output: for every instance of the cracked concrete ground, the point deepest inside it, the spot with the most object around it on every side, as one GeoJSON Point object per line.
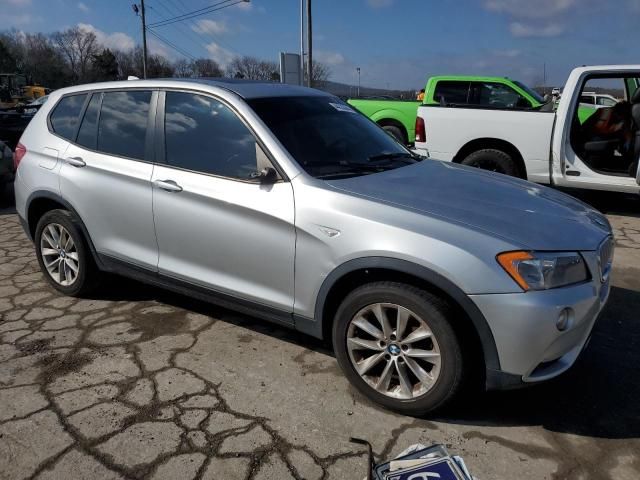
{"type": "Point", "coordinates": [136, 382]}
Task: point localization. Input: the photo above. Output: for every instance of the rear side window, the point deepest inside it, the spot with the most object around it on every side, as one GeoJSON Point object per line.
{"type": "Point", "coordinates": [497, 95]}
{"type": "Point", "coordinates": [66, 115]}
{"type": "Point", "coordinates": [588, 99]}
{"type": "Point", "coordinates": [88, 133]}
{"type": "Point", "coordinates": [204, 135]}
{"type": "Point", "coordinates": [450, 92]}
{"type": "Point", "coordinates": [122, 127]}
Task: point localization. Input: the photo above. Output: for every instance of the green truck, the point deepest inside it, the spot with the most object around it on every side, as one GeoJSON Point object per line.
{"type": "Point", "coordinates": [398, 117]}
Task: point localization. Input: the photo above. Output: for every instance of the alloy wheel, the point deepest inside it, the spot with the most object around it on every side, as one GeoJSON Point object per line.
{"type": "Point", "coordinates": [393, 350]}
{"type": "Point", "coordinates": [59, 254]}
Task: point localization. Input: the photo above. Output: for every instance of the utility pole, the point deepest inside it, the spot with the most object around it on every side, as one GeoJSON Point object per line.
{"type": "Point", "coordinates": [140, 11]}
{"type": "Point", "coordinates": [358, 69]}
{"type": "Point", "coordinates": [302, 42]}
{"type": "Point", "coordinates": [544, 78]}
{"type": "Point", "coordinates": [144, 41]}
{"type": "Point", "coordinates": [309, 45]}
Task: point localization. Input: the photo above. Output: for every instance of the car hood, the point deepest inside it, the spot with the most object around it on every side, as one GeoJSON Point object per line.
{"type": "Point", "coordinates": [529, 215]}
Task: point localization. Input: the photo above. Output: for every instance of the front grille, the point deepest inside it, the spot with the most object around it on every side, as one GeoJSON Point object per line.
{"type": "Point", "coordinates": [605, 258]}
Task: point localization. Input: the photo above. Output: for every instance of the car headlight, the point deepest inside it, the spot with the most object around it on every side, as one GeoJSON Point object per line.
{"type": "Point", "coordinates": [544, 270]}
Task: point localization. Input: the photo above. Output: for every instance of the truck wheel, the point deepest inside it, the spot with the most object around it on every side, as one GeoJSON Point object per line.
{"type": "Point", "coordinates": [492, 160]}
{"type": "Point", "coordinates": [396, 133]}
{"type": "Point", "coordinates": [396, 344]}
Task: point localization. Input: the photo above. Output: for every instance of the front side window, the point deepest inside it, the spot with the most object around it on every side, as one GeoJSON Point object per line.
{"type": "Point", "coordinates": [452, 93]}
{"type": "Point", "coordinates": [606, 101]}
{"type": "Point", "coordinates": [328, 138]}
{"type": "Point", "coordinates": [204, 135]}
{"type": "Point", "coordinates": [497, 95]}
{"type": "Point", "coordinates": [65, 116]}
{"type": "Point", "coordinates": [122, 127]}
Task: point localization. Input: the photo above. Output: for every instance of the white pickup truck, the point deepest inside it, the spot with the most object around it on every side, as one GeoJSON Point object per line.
{"type": "Point", "coordinates": [568, 147]}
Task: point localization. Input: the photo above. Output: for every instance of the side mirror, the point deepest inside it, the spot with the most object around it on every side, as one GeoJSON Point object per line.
{"type": "Point", "coordinates": [267, 175]}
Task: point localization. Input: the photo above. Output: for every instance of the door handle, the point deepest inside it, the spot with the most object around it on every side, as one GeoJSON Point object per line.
{"type": "Point", "coordinates": [76, 162]}
{"type": "Point", "coordinates": [168, 185]}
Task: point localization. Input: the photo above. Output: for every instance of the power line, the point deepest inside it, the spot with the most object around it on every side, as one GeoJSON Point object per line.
{"type": "Point", "coordinates": [170, 44]}
{"type": "Point", "coordinates": [186, 31]}
{"type": "Point", "coordinates": [196, 13]}
{"type": "Point", "coordinates": [209, 35]}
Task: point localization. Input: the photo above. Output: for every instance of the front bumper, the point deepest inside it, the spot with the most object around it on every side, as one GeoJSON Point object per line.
{"type": "Point", "coordinates": [530, 346]}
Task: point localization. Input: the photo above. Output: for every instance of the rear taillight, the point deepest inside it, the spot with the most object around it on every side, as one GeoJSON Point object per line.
{"type": "Point", "coordinates": [421, 134]}
{"type": "Point", "coordinates": [19, 152]}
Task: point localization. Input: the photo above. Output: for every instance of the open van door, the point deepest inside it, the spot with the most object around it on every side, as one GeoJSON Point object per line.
{"type": "Point", "coordinates": [590, 149]}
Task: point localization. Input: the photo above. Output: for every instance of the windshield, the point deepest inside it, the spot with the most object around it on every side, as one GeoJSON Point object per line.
{"type": "Point", "coordinates": [328, 138]}
{"type": "Point", "coordinates": [530, 91]}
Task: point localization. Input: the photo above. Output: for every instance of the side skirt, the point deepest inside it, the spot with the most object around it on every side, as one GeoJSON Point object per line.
{"type": "Point", "coordinates": [224, 300]}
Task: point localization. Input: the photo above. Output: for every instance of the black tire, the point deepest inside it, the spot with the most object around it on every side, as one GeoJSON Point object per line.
{"type": "Point", "coordinates": [88, 276]}
{"type": "Point", "coordinates": [396, 133]}
{"type": "Point", "coordinates": [430, 308]}
{"type": "Point", "coordinates": [494, 161]}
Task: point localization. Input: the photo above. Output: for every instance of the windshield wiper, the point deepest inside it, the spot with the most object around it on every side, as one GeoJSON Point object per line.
{"type": "Point", "coordinates": [402, 156]}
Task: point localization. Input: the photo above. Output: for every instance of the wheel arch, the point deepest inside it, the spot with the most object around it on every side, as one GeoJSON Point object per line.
{"type": "Point", "coordinates": [356, 272]}
{"type": "Point", "coordinates": [496, 144]}
{"type": "Point", "coordinates": [43, 201]}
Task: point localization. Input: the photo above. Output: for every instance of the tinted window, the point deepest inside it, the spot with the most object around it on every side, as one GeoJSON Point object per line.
{"type": "Point", "coordinates": [204, 135]}
{"type": "Point", "coordinates": [123, 123]}
{"type": "Point", "coordinates": [88, 133]}
{"type": "Point", "coordinates": [451, 92]}
{"type": "Point", "coordinates": [497, 95]}
{"type": "Point", "coordinates": [587, 99]}
{"type": "Point", "coordinates": [532, 92]}
{"type": "Point", "coordinates": [64, 119]}
{"type": "Point", "coordinates": [328, 138]}
{"type": "Point", "coordinates": [606, 101]}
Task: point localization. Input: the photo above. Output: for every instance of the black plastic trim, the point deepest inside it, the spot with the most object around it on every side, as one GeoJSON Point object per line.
{"type": "Point", "coordinates": [120, 267]}
{"type": "Point", "coordinates": [53, 196]}
{"type": "Point", "coordinates": [489, 349]}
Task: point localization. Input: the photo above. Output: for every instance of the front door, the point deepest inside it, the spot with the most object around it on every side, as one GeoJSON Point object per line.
{"type": "Point", "coordinates": [217, 226]}
{"type": "Point", "coordinates": [598, 148]}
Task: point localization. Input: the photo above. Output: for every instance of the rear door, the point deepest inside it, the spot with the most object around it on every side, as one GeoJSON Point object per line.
{"type": "Point", "coordinates": [217, 227]}
{"type": "Point", "coordinates": [106, 175]}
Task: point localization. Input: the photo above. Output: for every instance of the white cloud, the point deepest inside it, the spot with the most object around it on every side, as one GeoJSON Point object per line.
{"type": "Point", "coordinates": [519, 29]}
{"type": "Point", "coordinates": [511, 53]}
{"type": "Point", "coordinates": [115, 40]}
{"type": "Point", "coordinates": [156, 47]}
{"type": "Point", "coordinates": [380, 3]}
{"type": "Point", "coordinates": [248, 6]}
{"type": "Point", "coordinates": [330, 58]}
{"type": "Point", "coordinates": [219, 54]}
{"type": "Point", "coordinates": [531, 9]}
{"type": "Point", "coordinates": [207, 26]}
{"type": "Point", "coordinates": [82, 6]}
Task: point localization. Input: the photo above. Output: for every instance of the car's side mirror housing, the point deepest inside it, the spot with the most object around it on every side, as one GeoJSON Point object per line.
{"type": "Point", "coordinates": [267, 175]}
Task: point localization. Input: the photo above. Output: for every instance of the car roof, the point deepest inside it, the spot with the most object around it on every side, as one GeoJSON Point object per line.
{"type": "Point", "coordinates": [470, 78]}
{"type": "Point", "coordinates": [246, 89]}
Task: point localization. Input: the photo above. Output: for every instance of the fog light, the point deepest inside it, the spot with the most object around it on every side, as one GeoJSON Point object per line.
{"type": "Point", "coordinates": [565, 319]}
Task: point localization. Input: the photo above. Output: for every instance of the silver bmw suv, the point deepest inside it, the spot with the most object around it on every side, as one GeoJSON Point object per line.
{"type": "Point", "coordinates": [285, 203]}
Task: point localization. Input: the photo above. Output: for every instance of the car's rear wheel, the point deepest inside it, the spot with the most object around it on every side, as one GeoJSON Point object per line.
{"type": "Point", "coordinates": [396, 344]}
{"type": "Point", "coordinates": [396, 133]}
{"type": "Point", "coordinates": [63, 254]}
{"type": "Point", "coordinates": [492, 160]}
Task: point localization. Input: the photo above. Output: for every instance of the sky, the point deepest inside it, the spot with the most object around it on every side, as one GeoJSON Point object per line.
{"type": "Point", "coordinates": [396, 43]}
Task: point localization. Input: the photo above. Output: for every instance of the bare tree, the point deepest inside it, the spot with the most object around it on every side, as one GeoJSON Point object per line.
{"type": "Point", "coordinates": [320, 74]}
{"type": "Point", "coordinates": [182, 68]}
{"type": "Point", "coordinates": [206, 67]}
{"type": "Point", "coordinates": [253, 68]}
{"type": "Point", "coordinates": [78, 47]}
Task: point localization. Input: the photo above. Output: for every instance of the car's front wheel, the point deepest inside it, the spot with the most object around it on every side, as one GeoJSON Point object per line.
{"type": "Point", "coordinates": [396, 345]}
{"type": "Point", "coordinates": [63, 254]}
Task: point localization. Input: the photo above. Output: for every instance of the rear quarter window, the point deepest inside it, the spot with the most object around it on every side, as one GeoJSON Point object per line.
{"type": "Point", "coordinates": [66, 115]}
{"type": "Point", "coordinates": [452, 92]}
